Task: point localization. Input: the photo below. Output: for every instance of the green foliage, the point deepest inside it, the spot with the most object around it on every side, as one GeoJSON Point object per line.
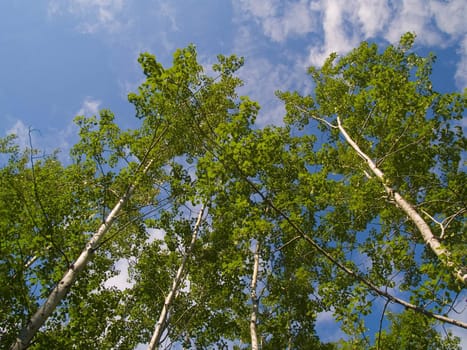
{"type": "Point", "coordinates": [410, 330]}
{"type": "Point", "coordinates": [299, 191]}
{"type": "Point", "coordinates": [386, 103]}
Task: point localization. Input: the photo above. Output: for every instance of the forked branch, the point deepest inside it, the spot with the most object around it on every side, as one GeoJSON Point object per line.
{"type": "Point", "coordinates": [428, 237]}
{"type": "Point", "coordinates": [160, 325]}
{"type": "Point", "coordinates": [371, 286]}
{"type": "Point", "coordinates": [60, 290]}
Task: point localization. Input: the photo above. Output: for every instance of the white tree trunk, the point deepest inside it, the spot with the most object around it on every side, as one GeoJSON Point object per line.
{"type": "Point", "coordinates": [160, 325]}
{"type": "Point", "coordinates": [428, 237]}
{"type": "Point", "coordinates": [254, 300]}
{"type": "Point", "coordinates": [63, 286]}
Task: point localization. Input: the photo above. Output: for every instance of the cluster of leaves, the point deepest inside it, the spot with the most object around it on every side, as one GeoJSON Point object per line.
{"type": "Point", "coordinates": [324, 225]}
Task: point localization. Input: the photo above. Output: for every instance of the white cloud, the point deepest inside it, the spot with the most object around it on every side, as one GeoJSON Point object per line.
{"type": "Point", "coordinates": [461, 72]}
{"type": "Point", "coordinates": [121, 280]}
{"type": "Point", "coordinates": [46, 140]}
{"type": "Point", "coordinates": [296, 20]}
{"type": "Point", "coordinates": [326, 327]}
{"type": "Point", "coordinates": [167, 10]}
{"type": "Point", "coordinates": [260, 9]}
{"type": "Point", "coordinates": [155, 234]}
{"type": "Point", "coordinates": [22, 134]}
{"type": "Point", "coordinates": [280, 20]}
{"type": "Point", "coordinates": [245, 42]}
{"type": "Point", "coordinates": [89, 107]}
{"type": "Point", "coordinates": [264, 75]}
{"type": "Point", "coordinates": [263, 78]}
{"type": "Point", "coordinates": [337, 37]}
{"type": "Point", "coordinates": [92, 15]}
{"type": "Point", "coordinates": [338, 26]}
{"type": "Point", "coordinates": [450, 16]}
{"type": "Point", "coordinates": [373, 16]}
{"type": "Point", "coordinates": [414, 16]}
{"type": "Point", "coordinates": [462, 334]}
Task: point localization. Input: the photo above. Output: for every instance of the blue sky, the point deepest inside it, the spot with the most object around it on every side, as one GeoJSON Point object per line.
{"type": "Point", "coordinates": [60, 58]}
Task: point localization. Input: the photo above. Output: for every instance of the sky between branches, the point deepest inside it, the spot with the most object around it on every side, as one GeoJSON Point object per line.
{"type": "Point", "coordinates": [62, 58]}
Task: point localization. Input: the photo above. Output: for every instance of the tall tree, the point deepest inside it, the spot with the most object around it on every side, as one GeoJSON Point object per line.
{"type": "Point", "coordinates": [359, 197]}
{"type": "Point", "coordinates": [392, 150]}
{"type": "Point", "coordinates": [328, 195]}
{"type": "Point", "coordinates": [127, 168]}
{"type": "Point", "coordinates": [176, 284]}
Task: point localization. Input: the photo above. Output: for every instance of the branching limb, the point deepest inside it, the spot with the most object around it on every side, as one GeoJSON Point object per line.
{"type": "Point", "coordinates": [445, 223]}
{"type": "Point", "coordinates": [321, 120]}
{"type": "Point", "coordinates": [287, 243]}
{"type": "Point", "coordinates": [428, 237]}
{"type": "Point", "coordinates": [328, 124]}
{"type": "Point", "coordinates": [160, 325]}
{"type": "Point", "coordinates": [350, 272]}
{"type": "Point", "coordinates": [64, 285]}
{"type": "Point", "coordinates": [381, 160]}
{"type": "Point", "coordinates": [440, 224]}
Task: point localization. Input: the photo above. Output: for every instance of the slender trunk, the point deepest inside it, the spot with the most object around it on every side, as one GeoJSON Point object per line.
{"type": "Point", "coordinates": [64, 285]}
{"type": "Point", "coordinates": [428, 237]}
{"type": "Point", "coordinates": [254, 300]}
{"type": "Point", "coordinates": [289, 328]}
{"type": "Point", "coordinates": [160, 325]}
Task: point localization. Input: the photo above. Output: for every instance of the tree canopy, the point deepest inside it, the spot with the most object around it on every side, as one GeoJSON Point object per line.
{"type": "Point", "coordinates": [238, 236]}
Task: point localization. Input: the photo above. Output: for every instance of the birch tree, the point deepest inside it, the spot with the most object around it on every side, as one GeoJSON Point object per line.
{"type": "Point", "coordinates": [357, 203]}
{"type": "Point", "coordinates": [330, 199]}
{"type": "Point", "coordinates": [126, 167]}
{"type": "Point", "coordinates": [176, 284]}
{"type": "Point", "coordinates": [255, 299]}
{"type": "Point", "coordinates": [245, 170]}
{"type": "Point", "coordinates": [392, 150]}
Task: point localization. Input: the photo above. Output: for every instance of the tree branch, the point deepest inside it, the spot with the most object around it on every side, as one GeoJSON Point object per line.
{"type": "Point", "coordinates": [446, 222]}
{"type": "Point", "coordinates": [64, 285]}
{"type": "Point", "coordinates": [321, 120]}
{"type": "Point", "coordinates": [159, 328]}
{"type": "Point", "coordinates": [428, 237]}
{"type": "Point", "coordinates": [378, 347]}
{"type": "Point", "coordinates": [350, 272]}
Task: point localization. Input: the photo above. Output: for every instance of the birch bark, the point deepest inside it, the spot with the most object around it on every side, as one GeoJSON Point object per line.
{"type": "Point", "coordinates": [254, 300]}
{"type": "Point", "coordinates": [63, 286]}
{"type": "Point", "coordinates": [428, 237]}
{"type": "Point", "coordinates": [160, 325]}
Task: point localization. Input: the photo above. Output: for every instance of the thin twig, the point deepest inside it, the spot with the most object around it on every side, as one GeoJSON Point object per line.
{"type": "Point", "coordinates": [287, 243]}
{"type": "Point", "coordinates": [381, 324]}
{"type": "Point", "coordinates": [41, 206]}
